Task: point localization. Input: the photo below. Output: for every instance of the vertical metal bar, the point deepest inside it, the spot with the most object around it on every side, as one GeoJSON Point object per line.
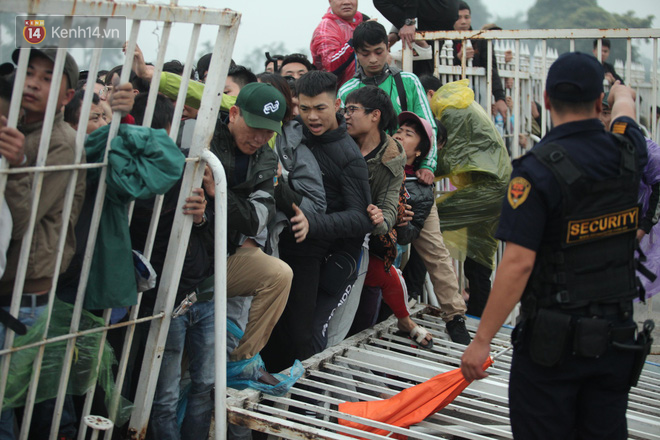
{"type": "Point", "coordinates": [572, 45]}
{"type": "Point", "coordinates": [599, 50]}
{"type": "Point", "coordinates": [489, 78]}
{"type": "Point", "coordinates": [654, 93]}
{"type": "Point", "coordinates": [406, 57]}
{"type": "Point", "coordinates": [463, 59]}
{"type": "Point", "coordinates": [629, 61]}
{"type": "Point", "coordinates": [516, 103]}
{"type": "Point", "coordinates": [14, 110]}
{"type": "Point", "coordinates": [96, 216]}
{"type": "Point", "coordinates": [544, 73]}
{"type": "Point", "coordinates": [220, 294]}
{"type": "Point", "coordinates": [80, 139]}
{"type": "Point", "coordinates": [436, 58]}
{"type": "Point", "coordinates": [26, 245]}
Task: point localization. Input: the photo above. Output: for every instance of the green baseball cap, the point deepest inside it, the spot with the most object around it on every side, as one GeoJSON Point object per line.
{"type": "Point", "coordinates": [262, 106]}
{"type": "Point", "coordinates": [70, 65]}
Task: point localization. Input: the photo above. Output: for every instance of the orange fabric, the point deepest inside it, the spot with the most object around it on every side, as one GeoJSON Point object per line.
{"type": "Point", "coordinates": [411, 405]}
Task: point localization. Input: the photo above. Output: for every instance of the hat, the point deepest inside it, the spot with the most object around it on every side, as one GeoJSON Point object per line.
{"type": "Point", "coordinates": [70, 65]}
{"type": "Point", "coordinates": [408, 116]}
{"type": "Point", "coordinates": [262, 106]}
{"type": "Point", "coordinates": [581, 71]}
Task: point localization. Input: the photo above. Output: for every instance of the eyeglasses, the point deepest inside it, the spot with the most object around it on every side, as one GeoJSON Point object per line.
{"type": "Point", "coordinates": [350, 109]}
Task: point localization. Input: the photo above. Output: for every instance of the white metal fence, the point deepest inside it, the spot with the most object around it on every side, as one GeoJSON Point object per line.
{"type": "Point", "coordinates": [523, 79]}
{"type": "Point", "coordinates": [226, 22]}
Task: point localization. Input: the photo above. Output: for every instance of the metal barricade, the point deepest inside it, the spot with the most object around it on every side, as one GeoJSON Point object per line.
{"type": "Point", "coordinates": [226, 22]}
{"type": "Point", "coordinates": [523, 78]}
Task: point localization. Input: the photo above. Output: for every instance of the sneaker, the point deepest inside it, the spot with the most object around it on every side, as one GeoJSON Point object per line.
{"type": "Point", "coordinates": [457, 331]}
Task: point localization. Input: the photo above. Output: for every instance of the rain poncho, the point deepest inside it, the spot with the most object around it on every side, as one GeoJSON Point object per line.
{"type": "Point", "coordinates": [143, 162]}
{"type": "Point", "coordinates": [477, 164]}
{"type": "Point", "coordinates": [650, 244]}
{"type": "Point", "coordinates": [85, 367]}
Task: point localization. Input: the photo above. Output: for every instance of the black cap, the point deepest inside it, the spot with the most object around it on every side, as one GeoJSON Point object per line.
{"type": "Point", "coordinates": [70, 65]}
{"type": "Point", "coordinates": [581, 72]}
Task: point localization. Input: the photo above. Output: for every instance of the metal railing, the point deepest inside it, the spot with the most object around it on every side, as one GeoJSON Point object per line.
{"type": "Point", "coordinates": [226, 22]}
{"type": "Point", "coordinates": [523, 79]}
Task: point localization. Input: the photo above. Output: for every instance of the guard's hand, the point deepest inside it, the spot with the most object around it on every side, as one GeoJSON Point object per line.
{"type": "Point", "coordinates": [609, 77]}
{"type": "Point", "coordinates": [299, 224]}
{"type": "Point", "coordinates": [473, 360]}
{"type": "Point", "coordinates": [375, 214]}
{"type": "Point", "coordinates": [12, 142]}
{"type": "Point", "coordinates": [425, 176]}
{"type": "Point", "coordinates": [208, 182]}
{"type": "Point", "coordinates": [406, 217]}
{"type": "Point", "coordinates": [122, 98]}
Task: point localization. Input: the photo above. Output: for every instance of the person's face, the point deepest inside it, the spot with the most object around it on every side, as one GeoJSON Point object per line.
{"type": "Point", "coordinates": [101, 90]}
{"type": "Point", "coordinates": [270, 68]}
{"type": "Point", "coordinates": [509, 83]}
{"type": "Point", "coordinates": [231, 88]}
{"type": "Point", "coordinates": [319, 112]}
{"type": "Point", "coordinates": [606, 117]}
{"type": "Point", "coordinates": [344, 9]}
{"type": "Point", "coordinates": [295, 70]}
{"type": "Point", "coordinates": [358, 121]}
{"type": "Point", "coordinates": [464, 21]}
{"type": "Point", "coordinates": [409, 139]}
{"type": "Point", "coordinates": [247, 139]}
{"type": "Point", "coordinates": [604, 53]}
{"type": "Point", "coordinates": [96, 118]}
{"type": "Point", "coordinates": [37, 87]}
{"type": "Point", "coordinates": [372, 58]}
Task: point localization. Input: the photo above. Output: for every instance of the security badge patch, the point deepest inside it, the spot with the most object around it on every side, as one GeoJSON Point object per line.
{"type": "Point", "coordinates": [602, 226]}
{"type": "Point", "coordinates": [518, 191]}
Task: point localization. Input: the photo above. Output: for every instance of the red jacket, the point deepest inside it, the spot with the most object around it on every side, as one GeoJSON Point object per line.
{"type": "Point", "coordinates": [330, 45]}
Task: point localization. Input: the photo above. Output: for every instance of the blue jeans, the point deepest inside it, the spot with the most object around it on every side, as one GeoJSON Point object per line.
{"type": "Point", "coordinates": [28, 316]}
{"type": "Point", "coordinates": [195, 330]}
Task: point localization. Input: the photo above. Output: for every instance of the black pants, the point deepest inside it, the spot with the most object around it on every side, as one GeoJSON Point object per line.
{"type": "Point", "coordinates": [291, 338]}
{"type": "Point", "coordinates": [579, 399]}
{"type": "Point", "coordinates": [478, 277]}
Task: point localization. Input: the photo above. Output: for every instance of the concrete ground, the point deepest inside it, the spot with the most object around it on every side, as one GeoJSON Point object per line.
{"type": "Point", "coordinates": [650, 310]}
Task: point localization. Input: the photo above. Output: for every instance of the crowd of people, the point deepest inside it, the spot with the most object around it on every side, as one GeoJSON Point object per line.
{"type": "Point", "coordinates": [330, 165]}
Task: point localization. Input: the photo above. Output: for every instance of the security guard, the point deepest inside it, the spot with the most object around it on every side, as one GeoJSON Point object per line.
{"type": "Point", "coordinates": [570, 219]}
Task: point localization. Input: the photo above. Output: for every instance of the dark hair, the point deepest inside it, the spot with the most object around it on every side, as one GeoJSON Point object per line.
{"type": "Point", "coordinates": [430, 82]}
{"type": "Point", "coordinates": [203, 65]}
{"type": "Point", "coordinates": [163, 110]}
{"type": "Point", "coordinates": [605, 43]}
{"type": "Point", "coordinates": [280, 84]}
{"type": "Point", "coordinates": [272, 59]}
{"type": "Point", "coordinates": [82, 82]}
{"type": "Point", "coordinates": [316, 82]}
{"type": "Point", "coordinates": [174, 66]}
{"type": "Point", "coordinates": [369, 32]}
{"type": "Point", "coordinates": [138, 83]}
{"type": "Point", "coordinates": [242, 76]}
{"type": "Point", "coordinates": [375, 98]}
{"type": "Point", "coordinates": [424, 145]}
{"type": "Point", "coordinates": [297, 58]}
{"type": "Point", "coordinates": [462, 6]}
{"type": "Point", "coordinates": [72, 109]}
{"type": "Point", "coordinates": [101, 74]}
{"type": "Point", "coordinates": [6, 86]}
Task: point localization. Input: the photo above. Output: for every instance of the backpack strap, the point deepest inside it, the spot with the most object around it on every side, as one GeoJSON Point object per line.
{"type": "Point", "coordinates": [401, 91]}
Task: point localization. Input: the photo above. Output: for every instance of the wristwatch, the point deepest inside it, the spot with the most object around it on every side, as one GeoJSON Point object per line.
{"type": "Point", "coordinates": [410, 22]}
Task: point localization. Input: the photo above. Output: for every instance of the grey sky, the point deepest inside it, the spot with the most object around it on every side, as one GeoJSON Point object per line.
{"type": "Point", "coordinates": [293, 22]}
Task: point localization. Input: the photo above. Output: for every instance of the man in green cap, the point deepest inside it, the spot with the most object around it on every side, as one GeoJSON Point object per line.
{"type": "Point", "coordinates": [250, 166]}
